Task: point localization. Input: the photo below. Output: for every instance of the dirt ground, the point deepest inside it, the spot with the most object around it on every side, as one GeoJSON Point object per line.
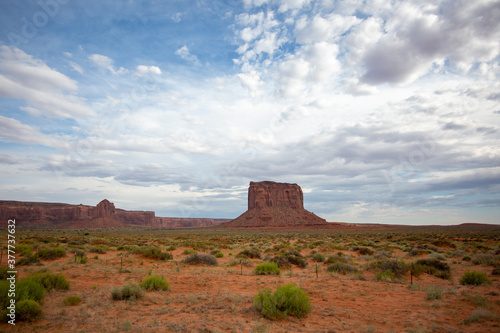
{"type": "Point", "coordinates": [220, 298]}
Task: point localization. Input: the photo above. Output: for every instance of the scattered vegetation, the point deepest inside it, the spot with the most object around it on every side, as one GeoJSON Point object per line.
{"type": "Point", "coordinates": [203, 259]}
{"type": "Point", "coordinates": [127, 292]}
{"type": "Point", "coordinates": [72, 301]}
{"type": "Point", "coordinates": [287, 300]}
{"type": "Point", "coordinates": [267, 268]}
{"type": "Point", "coordinates": [474, 278]}
{"type": "Point", "coordinates": [155, 282]}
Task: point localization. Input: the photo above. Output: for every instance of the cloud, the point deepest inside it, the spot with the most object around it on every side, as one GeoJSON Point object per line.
{"type": "Point", "coordinates": [46, 91]}
{"type": "Point", "coordinates": [12, 130]}
{"type": "Point", "coordinates": [106, 63]}
{"type": "Point", "coordinates": [419, 38]}
{"type": "Point", "coordinates": [145, 70]}
{"type": "Point", "coordinates": [184, 53]}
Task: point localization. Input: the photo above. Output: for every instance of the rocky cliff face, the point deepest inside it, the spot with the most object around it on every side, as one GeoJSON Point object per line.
{"type": "Point", "coordinates": [104, 209]}
{"type": "Point", "coordinates": [271, 194]}
{"type": "Point", "coordinates": [59, 215]}
{"type": "Point", "coordinates": [276, 206]}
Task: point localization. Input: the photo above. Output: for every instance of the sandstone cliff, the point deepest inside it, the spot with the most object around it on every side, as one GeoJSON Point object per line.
{"type": "Point", "coordinates": [60, 215]}
{"type": "Point", "coordinates": [274, 205]}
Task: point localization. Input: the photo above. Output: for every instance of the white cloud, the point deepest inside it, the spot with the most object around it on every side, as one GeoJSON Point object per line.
{"type": "Point", "coordinates": [106, 63]}
{"type": "Point", "coordinates": [45, 90]}
{"type": "Point", "coordinates": [184, 53]}
{"type": "Point", "coordinates": [145, 70]}
{"type": "Point", "coordinates": [12, 130]}
{"type": "Point", "coordinates": [286, 5]}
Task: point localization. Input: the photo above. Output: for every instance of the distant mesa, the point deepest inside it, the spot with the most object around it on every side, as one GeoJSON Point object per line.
{"type": "Point", "coordinates": [60, 215]}
{"type": "Point", "coordinates": [274, 205]}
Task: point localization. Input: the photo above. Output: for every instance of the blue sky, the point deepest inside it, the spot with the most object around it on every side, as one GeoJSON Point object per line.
{"type": "Point", "coordinates": [382, 111]}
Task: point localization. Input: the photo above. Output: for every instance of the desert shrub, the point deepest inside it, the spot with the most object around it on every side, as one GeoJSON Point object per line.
{"type": "Point", "coordinates": [3, 273]}
{"type": "Point", "coordinates": [129, 291]}
{"type": "Point", "coordinates": [30, 260]}
{"type": "Point", "coordinates": [251, 253]}
{"type": "Point", "coordinates": [433, 267]}
{"type": "Point", "coordinates": [478, 315]}
{"type": "Point", "coordinates": [153, 252]}
{"type": "Point", "coordinates": [466, 258]}
{"type": "Point", "coordinates": [386, 276]}
{"type": "Point", "coordinates": [341, 268]}
{"type": "Point", "coordinates": [189, 251]}
{"type": "Point", "coordinates": [486, 259]}
{"type": "Point", "coordinates": [52, 253]}
{"type": "Point", "coordinates": [24, 250]}
{"type": "Point", "coordinates": [204, 259]}
{"type": "Point", "coordinates": [219, 254]}
{"type": "Point", "coordinates": [318, 257]}
{"type": "Point", "coordinates": [29, 288]}
{"type": "Point", "coordinates": [287, 300]}
{"type": "Point", "coordinates": [365, 251]}
{"type": "Point", "coordinates": [267, 268]}
{"type": "Point", "coordinates": [290, 258]}
{"type": "Point", "coordinates": [155, 282]}
{"type": "Point", "coordinates": [437, 256]}
{"type": "Point", "coordinates": [398, 268]}
{"type": "Point", "coordinates": [382, 254]}
{"type": "Point", "coordinates": [336, 258]}
{"type": "Point", "coordinates": [444, 243]}
{"type": "Point", "coordinates": [28, 310]}
{"type": "Point", "coordinates": [496, 271]}
{"type": "Point", "coordinates": [98, 249]}
{"type": "Point", "coordinates": [72, 300]}
{"type": "Point", "coordinates": [51, 281]}
{"type": "Point", "coordinates": [434, 293]}
{"type": "Point", "coordinates": [474, 278]}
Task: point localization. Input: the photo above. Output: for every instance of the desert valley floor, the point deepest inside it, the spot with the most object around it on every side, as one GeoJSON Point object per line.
{"type": "Point", "coordinates": [357, 280]}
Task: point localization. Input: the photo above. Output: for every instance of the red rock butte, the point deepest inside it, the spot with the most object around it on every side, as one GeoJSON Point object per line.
{"type": "Point", "coordinates": [274, 205]}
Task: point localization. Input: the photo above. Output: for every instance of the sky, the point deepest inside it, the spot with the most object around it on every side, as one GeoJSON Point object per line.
{"type": "Point", "coordinates": [382, 111]}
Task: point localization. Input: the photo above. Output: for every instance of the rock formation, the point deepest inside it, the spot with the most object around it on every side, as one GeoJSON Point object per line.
{"type": "Point", "coordinates": [104, 209]}
{"type": "Point", "coordinates": [59, 215]}
{"type": "Point", "coordinates": [274, 205]}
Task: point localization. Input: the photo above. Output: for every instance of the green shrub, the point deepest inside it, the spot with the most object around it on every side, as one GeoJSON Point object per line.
{"type": "Point", "coordinates": [341, 268]}
{"type": "Point", "coordinates": [267, 268]}
{"type": "Point", "coordinates": [251, 253]}
{"type": "Point", "coordinates": [29, 288]}
{"type": "Point", "coordinates": [52, 281]}
{"type": "Point", "coordinates": [153, 252]}
{"type": "Point", "coordinates": [335, 259]}
{"type": "Point", "coordinates": [24, 250]}
{"type": "Point", "coordinates": [52, 253]}
{"type": "Point", "coordinates": [189, 251]}
{"type": "Point", "coordinates": [204, 259]}
{"type": "Point", "coordinates": [28, 310]}
{"type": "Point", "coordinates": [3, 273]}
{"type": "Point", "coordinates": [433, 267]}
{"type": "Point", "coordinates": [474, 278]}
{"type": "Point", "coordinates": [365, 251]}
{"type": "Point", "coordinates": [31, 260]}
{"type": "Point", "coordinates": [98, 249]}
{"type": "Point", "coordinates": [318, 257]}
{"type": "Point", "coordinates": [386, 276]}
{"type": "Point", "coordinates": [287, 300]}
{"type": "Point", "coordinates": [219, 254]}
{"type": "Point", "coordinates": [287, 259]}
{"type": "Point", "coordinates": [129, 291]}
{"type": "Point", "coordinates": [398, 268]}
{"type": "Point", "coordinates": [155, 282]}
{"type": "Point", "coordinates": [72, 300]}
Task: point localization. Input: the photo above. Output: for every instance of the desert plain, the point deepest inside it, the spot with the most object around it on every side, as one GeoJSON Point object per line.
{"type": "Point", "coordinates": [357, 279]}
